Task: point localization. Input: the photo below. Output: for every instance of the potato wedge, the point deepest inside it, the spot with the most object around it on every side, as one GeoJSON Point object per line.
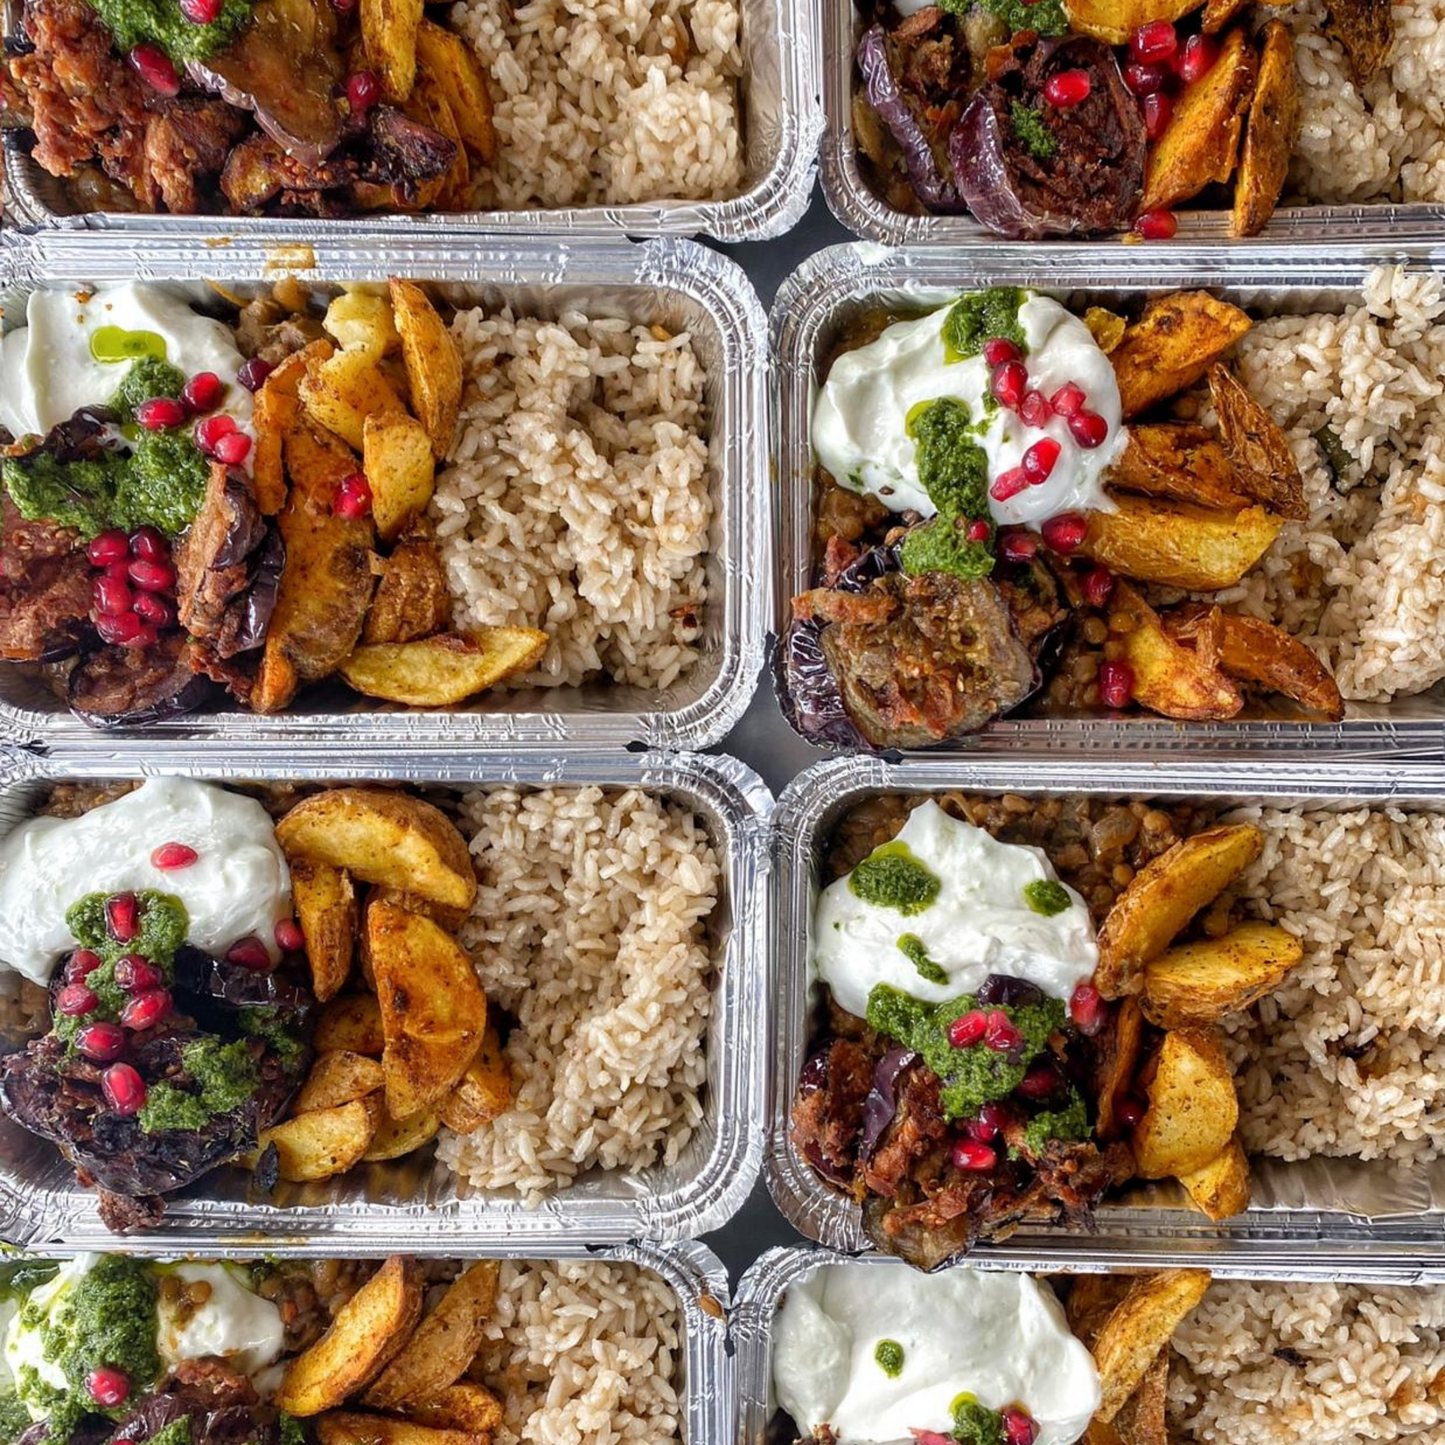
{"type": "Point", "coordinates": [1117, 1062]}
{"type": "Point", "coordinates": [360, 320]}
{"type": "Point", "coordinates": [395, 1137]}
{"type": "Point", "coordinates": [1101, 1433]}
{"type": "Point", "coordinates": [1106, 327]}
{"type": "Point", "coordinates": [388, 37]}
{"type": "Point", "coordinates": [1181, 463]}
{"type": "Point", "coordinates": [429, 105]}
{"type": "Point", "coordinates": [1219, 13]}
{"type": "Point", "coordinates": [383, 836]}
{"type": "Point", "coordinates": [1142, 1324]}
{"type": "Point", "coordinates": [365, 1335]}
{"type": "Point", "coordinates": [452, 63]}
{"type": "Point", "coordinates": [483, 1092]}
{"type": "Point", "coordinates": [397, 457]}
{"type": "Point", "coordinates": [1092, 1299]}
{"type": "Point", "coordinates": [325, 904]}
{"type": "Point", "coordinates": [1115, 20]}
{"type": "Point", "coordinates": [444, 669]}
{"type": "Point", "coordinates": [1201, 142]}
{"type": "Point", "coordinates": [433, 364]}
{"type": "Point", "coordinates": [1172, 345]}
{"type": "Point", "coordinates": [1261, 456]}
{"type": "Point", "coordinates": [1269, 134]}
{"type": "Point", "coordinates": [1365, 31]}
{"type": "Point", "coordinates": [443, 1345]}
{"type": "Point", "coordinates": [1179, 545]}
{"type": "Point", "coordinates": [450, 918]}
{"type": "Point", "coordinates": [464, 1406]}
{"type": "Point", "coordinates": [337, 1077]}
{"type": "Point", "coordinates": [1220, 1188]}
{"type": "Point", "coordinates": [412, 600]}
{"type": "Point", "coordinates": [1198, 983]}
{"type": "Point", "coordinates": [1141, 1418]}
{"type": "Point", "coordinates": [322, 1143]}
{"type": "Point", "coordinates": [338, 395]}
{"type": "Point", "coordinates": [353, 1427]}
{"type": "Point", "coordinates": [352, 1023]}
{"type": "Point", "coordinates": [274, 414]}
{"type": "Point", "coordinates": [1192, 1111]}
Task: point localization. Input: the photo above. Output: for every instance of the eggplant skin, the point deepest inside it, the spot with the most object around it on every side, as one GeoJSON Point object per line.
{"type": "Point", "coordinates": [116, 687]}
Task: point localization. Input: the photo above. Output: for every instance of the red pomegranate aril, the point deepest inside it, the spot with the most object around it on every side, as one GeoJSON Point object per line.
{"type": "Point", "coordinates": [253, 373]}
{"type": "Point", "coordinates": [1199, 54]}
{"type": "Point", "coordinates": [1116, 684]}
{"type": "Point", "coordinates": [1041, 1082]}
{"type": "Point", "coordinates": [1067, 88]}
{"type": "Point", "coordinates": [1088, 1009]}
{"type": "Point", "coordinates": [343, 7]}
{"type": "Point", "coordinates": [249, 953]}
{"type": "Point", "coordinates": [154, 610]}
{"type": "Point", "coordinates": [107, 547]}
{"type": "Point", "coordinates": [101, 1043]}
{"type": "Point", "coordinates": [1129, 1110]}
{"type": "Point", "coordinates": [288, 935]}
{"type": "Point", "coordinates": [1040, 458]}
{"type": "Point", "coordinates": [1142, 79]}
{"type": "Point", "coordinates": [155, 68]}
{"type": "Point", "coordinates": [211, 429]}
{"type": "Point", "coordinates": [1067, 400]}
{"type": "Point", "coordinates": [233, 449]}
{"type": "Point", "coordinates": [990, 1122]}
{"type": "Point", "coordinates": [124, 1089]}
{"type": "Point", "coordinates": [1064, 533]}
{"type": "Point", "coordinates": [1088, 428]}
{"type": "Point", "coordinates": [170, 856]}
{"type": "Point", "coordinates": [146, 1010]}
{"type": "Point", "coordinates": [1158, 112]}
{"type": "Point", "coordinates": [119, 569]}
{"type": "Point", "coordinates": [122, 916]}
{"type": "Point", "coordinates": [363, 90]}
{"type": "Point", "coordinates": [971, 1155]}
{"type": "Point", "coordinates": [82, 964]}
{"type": "Point", "coordinates": [1000, 349]}
{"type": "Point", "coordinates": [1019, 1427]}
{"type": "Point", "coordinates": [967, 1029]}
{"type": "Point", "coordinates": [1018, 546]}
{"type": "Point", "coordinates": [159, 413]}
{"type": "Point", "coordinates": [1010, 381]}
{"type": "Point", "coordinates": [1098, 586]}
{"type": "Point", "coordinates": [76, 1000]}
{"type": "Point", "coordinates": [135, 973]}
{"type": "Point", "coordinates": [203, 392]}
{"type": "Point", "coordinates": [353, 497]}
{"type": "Point", "coordinates": [119, 631]}
{"type": "Point", "coordinates": [978, 530]}
{"type": "Point", "coordinates": [146, 636]}
{"type": "Point", "coordinates": [1157, 225]}
{"type": "Point", "coordinates": [1008, 484]}
{"type": "Point", "coordinates": [201, 12]}
{"type": "Point", "coordinates": [1034, 409]}
{"type": "Point", "coordinates": [1157, 40]}
{"type": "Point", "coordinates": [1002, 1035]}
{"type": "Point", "coordinates": [111, 596]}
{"type": "Point", "coordinates": [108, 1386]}
{"type": "Point", "coordinates": [149, 542]}
{"type": "Point", "coordinates": [152, 576]}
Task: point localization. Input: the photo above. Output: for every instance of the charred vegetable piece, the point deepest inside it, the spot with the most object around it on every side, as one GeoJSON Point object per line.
{"type": "Point", "coordinates": [125, 686]}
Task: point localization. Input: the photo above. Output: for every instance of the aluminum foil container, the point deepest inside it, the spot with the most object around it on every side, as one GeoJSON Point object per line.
{"type": "Point", "coordinates": [678, 284]}
{"type": "Point", "coordinates": [415, 1205]}
{"type": "Point", "coordinates": [864, 211]}
{"type": "Point", "coordinates": [761, 1291]}
{"type": "Point", "coordinates": [1378, 1212]}
{"type": "Point", "coordinates": [781, 123]}
{"type": "Point", "coordinates": [835, 285]}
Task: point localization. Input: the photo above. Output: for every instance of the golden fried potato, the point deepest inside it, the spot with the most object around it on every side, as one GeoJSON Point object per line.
{"type": "Point", "coordinates": [1106, 327]}
{"type": "Point", "coordinates": [483, 1092]}
{"type": "Point", "coordinates": [325, 904]}
{"type": "Point", "coordinates": [453, 64]}
{"type": "Point", "coordinates": [429, 105]}
{"type": "Point", "coordinates": [1142, 1324]}
{"type": "Point", "coordinates": [365, 1335]}
{"type": "Point", "coordinates": [1115, 20]}
{"type": "Point", "coordinates": [397, 457]}
{"type": "Point", "coordinates": [433, 1010]}
{"type": "Point", "coordinates": [1219, 13]}
{"type": "Point", "coordinates": [1269, 135]}
{"type": "Point", "coordinates": [1172, 345]}
{"type": "Point", "coordinates": [360, 319]}
{"type": "Point", "coordinates": [351, 1023]}
{"type": "Point", "coordinates": [412, 600]}
{"type": "Point", "coordinates": [1192, 1111]}
{"type": "Point", "coordinates": [1198, 983]}
{"type": "Point", "coordinates": [1220, 1188]}
{"type": "Point", "coordinates": [395, 1137]}
{"type": "Point", "coordinates": [388, 36]}
{"type": "Point", "coordinates": [449, 917]}
{"type": "Point", "coordinates": [1163, 896]}
{"type": "Point", "coordinates": [464, 1406]}
{"type": "Point", "coordinates": [1117, 1055]}
{"type": "Point", "coordinates": [1365, 31]}
{"type": "Point", "coordinates": [338, 1077]}
{"type": "Point", "coordinates": [444, 669]}
{"type": "Point", "coordinates": [1092, 1299]}
{"type": "Point", "coordinates": [353, 1427]}
{"type": "Point", "coordinates": [340, 393]}
{"type": "Point", "coordinates": [1100, 1433]}
{"type": "Point", "coordinates": [443, 1345]}
{"type": "Point", "coordinates": [323, 1142]}
{"type": "Point", "coordinates": [1179, 545]}
{"type": "Point", "coordinates": [1257, 448]}
{"type": "Point", "coordinates": [433, 364]}
{"type": "Point", "coordinates": [274, 414]}
{"type": "Point", "coordinates": [1141, 1418]}
{"type": "Point", "coordinates": [1181, 463]}
{"type": "Point", "coordinates": [383, 836]}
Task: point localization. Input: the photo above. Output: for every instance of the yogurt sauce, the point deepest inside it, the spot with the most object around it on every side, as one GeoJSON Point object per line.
{"type": "Point", "coordinates": [234, 1323]}
{"type": "Point", "coordinates": [859, 419]}
{"type": "Point", "coordinates": [48, 371]}
{"type": "Point", "coordinates": [238, 885]}
{"type": "Point", "coordinates": [980, 922]}
{"type": "Point", "coordinates": [1000, 1337]}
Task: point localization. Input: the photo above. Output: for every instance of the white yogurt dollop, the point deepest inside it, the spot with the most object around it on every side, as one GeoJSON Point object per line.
{"type": "Point", "coordinates": [238, 885]}
{"type": "Point", "coordinates": [233, 1323]}
{"type": "Point", "coordinates": [999, 1337]}
{"type": "Point", "coordinates": [980, 922]}
{"type": "Point", "coordinates": [860, 418]}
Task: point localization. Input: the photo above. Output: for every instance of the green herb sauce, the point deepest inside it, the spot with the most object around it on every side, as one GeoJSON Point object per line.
{"type": "Point", "coordinates": [981, 316]}
{"type": "Point", "coordinates": [910, 945]}
{"type": "Point", "coordinates": [293, 1431]}
{"type": "Point", "coordinates": [269, 1025]}
{"type": "Point", "coordinates": [161, 23]}
{"type": "Point", "coordinates": [1046, 17]}
{"type": "Point", "coordinates": [14, 1417]}
{"type": "Point", "coordinates": [148, 377]}
{"type": "Point", "coordinates": [1069, 1123]}
{"type": "Point", "coordinates": [227, 1076]}
{"type": "Point", "coordinates": [178, 1432]}
{"type": "Point", "coordinates": [954, 471]}
{"type": "Point", "coordinates": [942, 546]}
{"type": "Point", "coordinates": [891, 877]}
{"type": "Point", "coordinates": [975, 1424]}
{"type": "Point", "coordinates": [1032, 132]}
{"type": "Point", "coordinates": [889, 1356]}
{"type": "Point", "coordinates": [1045, 896]}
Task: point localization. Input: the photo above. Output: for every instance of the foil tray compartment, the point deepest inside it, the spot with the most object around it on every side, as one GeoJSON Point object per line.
{"type": "Point", "coordinates": [762, 1288]}
{"type": "Point", "coordinates": [678, 284]}
{"type": "Point", "coordinates": [415, 1205]}
{"type": "Point", "coordinates": [834, 286]}
{"type": "Point", "coordinates": [1378, 1214]}
{"type": "Point", "coordinates": [781, 123]}
{"type": "Point", "coordinates": [858, 205]}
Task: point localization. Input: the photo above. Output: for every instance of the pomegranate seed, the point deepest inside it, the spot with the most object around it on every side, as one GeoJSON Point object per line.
{"type": "Point", "coordinates": [146, 1010]}
{"type": "Point", "coordinates": [203, 392]}
{"type": "Point", "coordinates": [363, 90]}
{"type": "Point", "coordinates": [1157, 40]}
{"type": "Point", "coordinates": [124, 1089]}
{"type": "Point", "coordinates": [1064, 533]}
{"type": "Point", "coordinates": [1144, 79]}
{"type": "Point", "coordinates": [82, 964]}
{"type": "Point", "coordinates": [75, 1000]}
{"type": "Point", "coordinates": [201, 12]}
{"type": "Point", "coordinates": [1040, 458]}
{"type": "Point", "coordinates": [170, 856]}
{"type": "Point", "coordinates": [353, 497]}
{"type": "Point", "coordinates": [1019, 1427]}
{"type": "Point", "coordinates": [343, 7]}
{"type": "Point", "coordinates": [1018, 546]}
{"type": "Point", "coordinates": [152, 576]}
{"type": "Point", "coordinates": [1098, 586]}
{"type": "Point", "coordinates": [969, 1154]}
{"type": "Point", "coordinates": [119, 569]}
{"type": "Point", "coordinates": [1010, 381]}
{"type": "Point", "coordinates": [1129, 1110]}
{"type": "Point", "coordinates": [1088, 428]}
{"type": "Point", "coordinates": [159, 413]}
{"type": "Point", "coordinates": [155, 68]}
{"type": "Point", "coordinates": [288, 936]}
{"type": "Point", "coordinates": [1158, 112]}
{"type": "Point", "coordinates": [989, 1124]}
{"type": "Point", "coordinates": [1000, 350]}
{"type": "Point", "coordinates": [101, 1043]}
{"type": "Point", "coordinates": [111, 596]}
{"type": "Point", "coordinates": [253, 373]}
{"type": "Point", "coordinates": [233, 449]}
{"type": "Point", "coordinates": [1116, 684]}
{"type": "Point", "coordinates": [1009, 484]}
{"type": "Point", "coordinates": [150, 543]}
{"type": "Point", "coordinates": [249, 953]}
{"type": "Point", "coordinates": [210, 430]}
{"type": "Point", "coordinates": [107, 1385]}
{"type": "Point", "coordinates": [1199, 54]}
{"type": "Point", "coordinates": [967, 1029]}
{"type": "Point", "coordinates": [154, 610]}
{"type": "Point", "coordinates": [1067, 88]}
{"type": "Point", "coordinates": [1034, 409]}
{"type": "Point", "coordinates": [978, 530]}
{"type": "Point", "coordinates": [122, 917]}
{"type": "Point", "coordinates": [1067, 400]}
{"type": "Point", "coordinates": [1041, 1082]}
{"type": "Point", "coordinates": [135, 973]}
{"type": "Point", "coordinates": [106, 548]}
{"type": "Point", "coordinates": [1156, 225]}
{"type": "Point", "coordinates": [1002, 1034]}
{"type": "Point", "coordinates": [118, 631]}
{"type": "Point", "coordinates": [146, 636]}
{"type": "Point", "coordinates": [1087, 1009]}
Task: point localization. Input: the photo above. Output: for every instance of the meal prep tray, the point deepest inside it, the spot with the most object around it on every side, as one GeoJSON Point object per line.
{"type": "Point", "coordinates": [415, 1205]}
{"type": "Point", "coordinates": [859, 207]}
{"type": "Point", "coordinates": [781, 122]}
{"type": "Point", "coordinates": [676, 283]}
{"type": "Point", "coordinates": [1377, 1213]}
{"type": "Point", "coordinates": [834, 285]}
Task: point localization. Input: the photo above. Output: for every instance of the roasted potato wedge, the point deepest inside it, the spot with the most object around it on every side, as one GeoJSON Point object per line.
{"type": "Point", "coordinates": [353, 1427]}
{"type": "Point", "coordinates": [412, 600]}
{"type": "Point", "coordinates": [365, 1335]}
{"type": "Point", "coordinates": [1106, 327]}
{"type": "Point", "coordinates": [1365, 30]}
{"type": "Point", "coordinates": [352, 1023]}
{"type": "Point", "coordinates": [1269, 134]}
{"type": "Point", "coordinates": [397, 456]}
{"type": "Point", "coordinates": [1192, 1111]}
{"type": "Point", "coordinates": [1117, 1063]}
{"type": "Point", "coordinates": [1219, 13]}
{"type": "Point", "coordinates": [1172, 345]}
{"type": "Point", "coordinates": [1181, 463]}
{"type": "Point", "coordinates": [395, 1137]}
{"type": "Point", "coordinates": [1178, 545]}
{"type": "Point", "coordinates": [443, 1345]}
{"type": "Point", "coordinates": [433, 1010]}
{"type": "Point", "coordinates": [444, 669]}
{"type": "Point", "coordinates": [1141, 1325]}
{"type": "Point", "coordinates": [1220, 1188]}
{"type": "Point", "coordinates": [1101, 1433]}
{"type": "Point", "coordinates": [274, 414]}
{"type": "Point", "coordinates": [388, 37]}
{"type": "Point", "coordinates": [1092, 1299]}
{"type": "Point", "coordinates": [361, 321]}
{"type": "Point", "coordinates": [1198, 983]}
{"type": "Point", "coordinates": [383, 836]}
{"type": "Point", "coordinates": [1141, 1418]}
{"type": "Point", "coordinates": [1256, 446]}
{"type": "Point", "coordinates": [325, 904]}
{"type": "Point", "coordinates": [450, 918]}
{"type": "Point", "coordinates": [322, 1143]}
{"type": "Point", "coordinates": [433, 364]}
{"type": "Point", "coordinates": [483, 1092]}
{"type": "Point", "coordinates": [429, 105]}
{"type": "Point", "coordinates": [1115, 20]}
{"type": "Point", "coordinates": [453, 64]}
{"type": "Point", "coordinates": [337, 1077]}
{"type": "Point", "coordinates": [339, 394]}
{"type": "Point", "coordinates": [464, 1406]}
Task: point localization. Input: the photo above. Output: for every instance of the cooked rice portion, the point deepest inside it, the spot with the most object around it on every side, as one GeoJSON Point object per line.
{"type": "Point", "coordinates": [1310, 1364]}
{"type": "Point", "coordinates": [584, 1352]}
{"type": "Point", "coordinates": [577, 498]}
{"type": "Point", "coordinates": [589, 928]}
{"type": "Point", "coordinates": [608, 102]}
